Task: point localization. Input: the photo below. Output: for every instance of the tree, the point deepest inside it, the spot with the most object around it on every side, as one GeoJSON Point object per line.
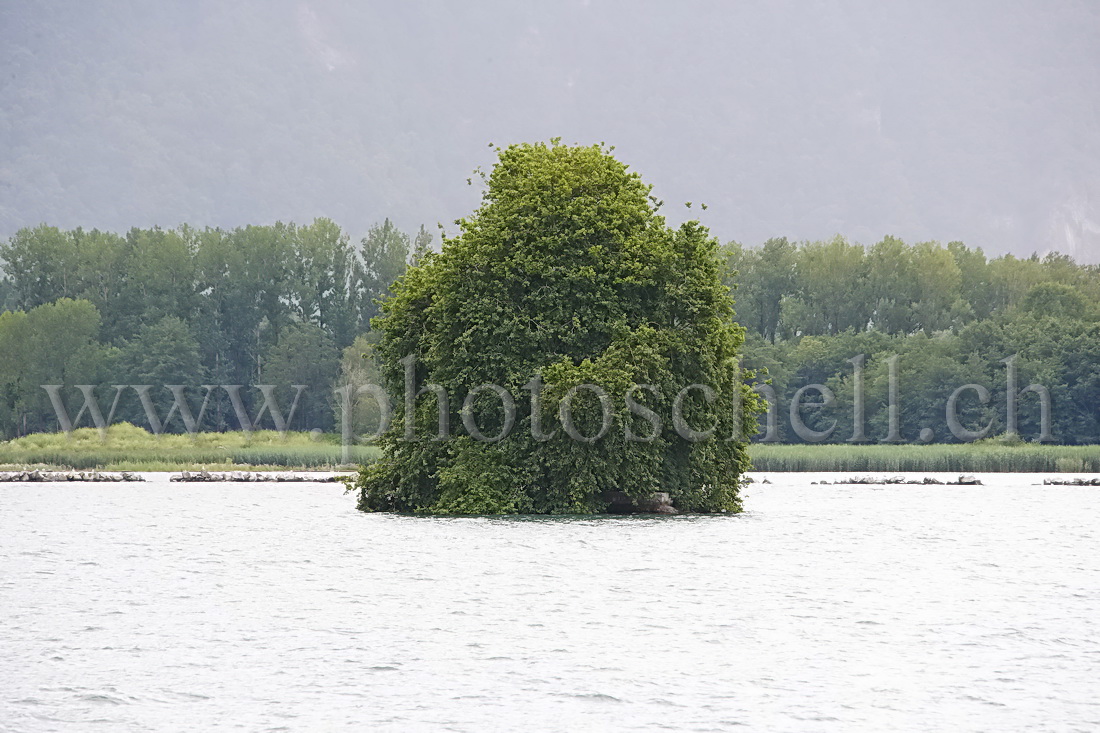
{"type": "Point", "coordinates": [359, 368]}
{"type": "Point", "coordinates": [1055, 300]}
{"type": "Point", "coordinates": [385, 251]}
{"type": "Point", "coordinates": [321, 273]}
{"type": "Point", "coordinates": [937, 278]}
{"type": "Point", "coordinates": [973, 278]}
{"type": "Point", "coordinates": [55, 343]}
{"type": "Point", "coordinates": [765, 276]}
{"type": "Point", "coordinates": [929, 370]}
{"type": "Point", "coordinates": [161, 354]}
{"type": "Point", "coordinates": [244, 282]}
{"type": "Point", "coordinates": [41, 264]}
{"type": "Point", "coordinates": [422, 245]}
{"type": "Point", "coordinates": [832, 297]}
{"type": "Point", "coordinates": [157, 274]}
{"type": "Point", "coordinates": [306, 355]}
{"type": "Point", "coordinates": [565, 273]}
{"type": "Point", "coordinates": [892, 285]}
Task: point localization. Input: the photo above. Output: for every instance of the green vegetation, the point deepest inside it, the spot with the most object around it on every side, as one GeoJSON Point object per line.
{"type": "Point", "coordinates": [289, 304]}
{"type": "Point", "coordinates": [950, 314]}
{"type": "Point", "coordinates": [567, 273]}
{"type": "Point", "coordinates": [130, 448]}
{"type": "Point", "coordinates": [980, 457]}
{"type": "Point", "coordinates": [258, 304]}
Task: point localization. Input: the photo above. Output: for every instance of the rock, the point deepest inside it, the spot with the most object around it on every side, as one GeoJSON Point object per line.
{"type": "Point", "coordinates": [895, 481]}
{"type": "Point", "coordinates": [657, 503]}
{"type": "Point", "coordinates": [247, 476]}
{"type": "Point", "coordinates": [1071, 482]}
{"type": "Point", "coordinates": [67, 476]}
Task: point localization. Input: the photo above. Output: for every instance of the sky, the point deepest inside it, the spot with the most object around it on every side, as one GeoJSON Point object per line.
{"type": "Point", "coordinates": [971, 121]}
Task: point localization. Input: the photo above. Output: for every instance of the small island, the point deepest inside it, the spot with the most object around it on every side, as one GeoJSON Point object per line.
{"type": "Point", "coordinates": [568, 288]}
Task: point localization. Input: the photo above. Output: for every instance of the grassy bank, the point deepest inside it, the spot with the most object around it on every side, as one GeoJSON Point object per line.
{"type": "Point", "coordinates": [984, 457]}
{"type": "Point", "coordinates": [129, 448]}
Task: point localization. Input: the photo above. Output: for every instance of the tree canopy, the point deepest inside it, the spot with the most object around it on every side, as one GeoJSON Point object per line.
{"type": "Point", "coordinates": [203, 306]}
{"type": "Point", "coordinates": [564, 283]}
{"type": "Point", "coordinates": [950, 316]}
{"type": "Point", "coordinates": [188, 306]}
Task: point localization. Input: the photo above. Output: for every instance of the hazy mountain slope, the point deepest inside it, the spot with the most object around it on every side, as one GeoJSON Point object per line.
{"type": "Point", "coordinates": [919, 119]}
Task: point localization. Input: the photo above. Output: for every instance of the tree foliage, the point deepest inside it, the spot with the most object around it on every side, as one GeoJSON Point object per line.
{"type": "Point", "coordinates": [565, 273]}
{"type": "Point", "coordinates": [188, 306]}
{"type": "Point", "coordinates": [950, 316]}
{"type": "Point", "coordinates": [147, 306]}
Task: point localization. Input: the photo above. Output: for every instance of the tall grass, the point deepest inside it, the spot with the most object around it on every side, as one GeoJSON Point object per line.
{"type": "Point", "coordinates": [985, 457]}
{"type": "Point", "coordinates": [127, 447]}
{"type": "Point", "coordinates": [130, 448]}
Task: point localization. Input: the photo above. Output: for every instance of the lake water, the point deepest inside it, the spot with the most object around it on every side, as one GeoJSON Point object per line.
{"type": "Point", "coordinates": [162, 607]}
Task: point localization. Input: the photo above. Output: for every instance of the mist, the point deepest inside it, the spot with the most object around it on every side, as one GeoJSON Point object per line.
{"type": "Point", "coordinates": [926, 121]}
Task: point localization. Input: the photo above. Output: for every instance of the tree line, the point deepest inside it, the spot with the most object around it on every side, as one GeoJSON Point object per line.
{"type": "Point", "coordinates": [291, 304]}
{"type": "Point", "coordinates": [276, 304]}
{"type": "Point", "coordinates": [950, 315]}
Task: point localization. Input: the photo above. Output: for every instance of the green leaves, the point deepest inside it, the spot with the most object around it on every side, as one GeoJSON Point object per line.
{"type": "Point", "coordinates": [564, 271]}
{"type": "Point", "coordinates": [54, 343]}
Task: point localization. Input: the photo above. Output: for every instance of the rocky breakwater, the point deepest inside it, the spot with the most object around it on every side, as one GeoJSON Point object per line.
{"type": "Point", "coordinates": [243, 476]}
{"type": "Point", "coordinates": [36, 476]}
{"type": "Point", "coordinates": [1072, 481]}
{"type": "Point", "coordinates": [896, 480]}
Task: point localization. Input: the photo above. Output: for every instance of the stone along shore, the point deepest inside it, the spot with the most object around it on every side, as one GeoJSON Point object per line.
{"type": "Point", "coordinates": [9, 476]}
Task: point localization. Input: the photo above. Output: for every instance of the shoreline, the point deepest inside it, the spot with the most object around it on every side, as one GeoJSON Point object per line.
{"type": "Point", "coordinates": [757, 479]}
{"type": "Point", "coordinates": [912, 479]}
{"type": "Point", "coordinates": [130, 448]}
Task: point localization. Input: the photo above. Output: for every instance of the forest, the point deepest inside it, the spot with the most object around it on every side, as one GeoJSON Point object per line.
{"type": "Point", "coordinates": [951, 317]}
{"type": "Point", "coordinates": [280, 304]}
{"type": "Point", "coordinates": [288, 304]}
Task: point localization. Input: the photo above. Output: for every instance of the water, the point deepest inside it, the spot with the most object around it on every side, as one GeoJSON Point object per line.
{"type": "Point", "coordinates": [142, 607]}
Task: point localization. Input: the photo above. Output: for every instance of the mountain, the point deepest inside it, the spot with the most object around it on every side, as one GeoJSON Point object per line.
{"type": "Point", "coordinates": [976, 121]}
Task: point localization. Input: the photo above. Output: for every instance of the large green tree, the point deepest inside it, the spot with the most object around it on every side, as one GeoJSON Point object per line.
{"type": "Point", "coordinates": [565, 275]}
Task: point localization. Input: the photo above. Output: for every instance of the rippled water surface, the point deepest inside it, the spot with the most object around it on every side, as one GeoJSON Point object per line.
{"type": "Point", "coordinates": [156, 606]}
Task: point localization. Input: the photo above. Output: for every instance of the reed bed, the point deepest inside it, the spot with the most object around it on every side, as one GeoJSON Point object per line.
{"type": "Point", "coordinates": [948, 458]}
{"type": "Point", "coordinates": [130, 448]}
